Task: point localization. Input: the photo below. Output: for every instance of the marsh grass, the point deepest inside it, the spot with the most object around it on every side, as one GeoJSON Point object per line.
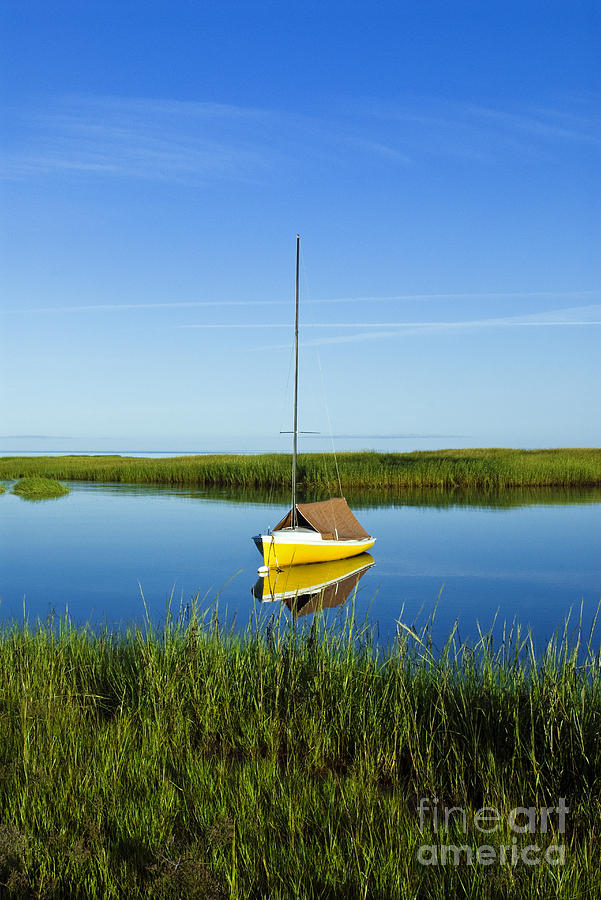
{"type": "Point", "coordinates": [490, 469]}
{"type": "Point", "coordinates": [36, 487]}
{"type": "Point", "coordinates": [193, 761]}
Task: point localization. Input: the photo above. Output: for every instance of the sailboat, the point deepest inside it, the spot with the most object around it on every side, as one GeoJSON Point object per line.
{"type": "Point", "coordinates": [311, 532]}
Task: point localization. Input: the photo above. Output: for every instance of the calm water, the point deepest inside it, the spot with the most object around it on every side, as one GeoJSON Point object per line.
{"type": "Point", "coordinates": [91, 551]}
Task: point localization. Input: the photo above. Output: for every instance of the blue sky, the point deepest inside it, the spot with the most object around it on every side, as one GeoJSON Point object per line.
{"type": "Point", "coordinates": [440, 161]}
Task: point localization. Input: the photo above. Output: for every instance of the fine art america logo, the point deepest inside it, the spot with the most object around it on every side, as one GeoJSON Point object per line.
{"type": "Point", "coordinates": [522, 820]}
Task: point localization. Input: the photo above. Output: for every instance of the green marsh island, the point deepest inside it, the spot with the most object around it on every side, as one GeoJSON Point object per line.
{"type": "Point", "coordinates": [36, 487]}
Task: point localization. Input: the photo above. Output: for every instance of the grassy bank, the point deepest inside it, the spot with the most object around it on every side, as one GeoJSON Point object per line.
{"type": "Point", "coordinates": [197, 763]}
{"type": "Point", "coordinates": [447, 469]}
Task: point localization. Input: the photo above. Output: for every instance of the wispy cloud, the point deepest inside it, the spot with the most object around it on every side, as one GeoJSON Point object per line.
{"type": "Point", "coordinates": [127, 307]}
{"type": "Point", "coordinates": [35, 437]}
{"type": "Point", "coordinates": [142, 138]}
{"type": "Point", "coordinates": [201, 142]}
{"type": "Point", "coordinates": [381, 149]}
{"type": "Point", "coordinates": [190, 142]}
{"type": "Point", "coordinates": [562, 318]}
{"type": "Point", "coordinates": [485, 296]}
{"type": "Point", "coordinates": [484, 133]}
{"type": "Point", "coordinates": [465, 295]}
{"type": "Point", "coordinates": [540, 123]}
{"type": "Point", "coordinates": [396, 326]}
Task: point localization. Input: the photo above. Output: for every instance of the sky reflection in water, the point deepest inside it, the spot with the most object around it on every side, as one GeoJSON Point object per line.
{"type": "Point", "coordinates": [88, 551]}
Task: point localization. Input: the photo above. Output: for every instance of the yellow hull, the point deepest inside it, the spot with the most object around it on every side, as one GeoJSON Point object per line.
{"type": "Point", "coordinates": [277, 554]}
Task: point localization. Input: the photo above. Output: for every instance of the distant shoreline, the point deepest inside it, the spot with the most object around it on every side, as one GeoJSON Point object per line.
{"type": "Point", "coordinates": [486, 469]}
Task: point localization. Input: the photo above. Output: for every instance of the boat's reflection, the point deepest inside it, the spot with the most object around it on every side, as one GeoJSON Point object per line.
{"type": "Point", "coordinates": [311, 588]}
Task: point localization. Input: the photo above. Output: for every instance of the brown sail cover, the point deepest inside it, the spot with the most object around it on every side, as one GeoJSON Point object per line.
{"type": "Point", "coordinates": [332, 518]}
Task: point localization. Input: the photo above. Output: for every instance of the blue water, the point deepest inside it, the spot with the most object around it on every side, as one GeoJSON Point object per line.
{"type": "Point", "coordinates": [95, 551]}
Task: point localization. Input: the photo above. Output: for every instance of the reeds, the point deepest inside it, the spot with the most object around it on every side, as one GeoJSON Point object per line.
{"type": "Point", "coordinates": [192, 761]}
{"type": "Point", "coordinates": [491, 469]}
{"type": "Point", "coordinates": [35, 487]}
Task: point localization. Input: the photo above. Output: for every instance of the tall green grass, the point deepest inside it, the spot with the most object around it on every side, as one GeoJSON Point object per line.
{"type": "Point", "coordinates": [36, 487]}
{"type": "Point", "coordinates": [443, 469]}
{"type": "Point", "coordinates": [192, 761]}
